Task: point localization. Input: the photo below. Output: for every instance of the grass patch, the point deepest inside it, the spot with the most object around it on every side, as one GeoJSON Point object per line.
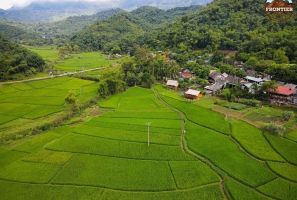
{"type": "Point", "coordinates": [284, 169]}
{"type": "Point", "coordinates": [206, 193]}
{"type": "Point", "coordinates": [280, 188]}
{"type": "Point", "coordinates": [201, 116]}
{"type": "Point", "coordinates": [285, 147]}
{"type": "Point", "coordinates": [225, 154]}
{"type": "Point", "coordinates": [117, 173]}
{"type": "Point", "coordinates": [189, 174]}
{"type": "Point", "coordinates": [47, 192]}
{"type": "Point", "coordinates": [240, 191]}
{"type": "Point", "coordinates": [253, 141]}
{"type": "Point", "coordinates": [83, 61]}
{"type": "Point", "coordinates": [51, 157]}
{"type": "Point", "coordinates": [127, 135]}
{"type": "Point", "coordinates": [114, 148]}
{"type": "Point", "coordinates": [28, 172]}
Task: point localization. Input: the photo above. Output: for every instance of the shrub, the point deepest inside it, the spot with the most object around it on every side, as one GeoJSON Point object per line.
{"type": "Point", "coordinates": [250, 102]}
{"type": "Point", "coordinates": [71, 98]}
{"type": "Point", "coordinates": [287, 115]}
{"type": "Point", "coordinates": [275, 129]}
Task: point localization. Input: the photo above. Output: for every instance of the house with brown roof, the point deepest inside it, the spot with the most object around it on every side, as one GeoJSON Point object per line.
{"type": "Point", "coordinates": [172, 84]}
{"type": "Point", "coordinates": [192, 94]}
{"type": "Point", "coordinates": [282, 95]}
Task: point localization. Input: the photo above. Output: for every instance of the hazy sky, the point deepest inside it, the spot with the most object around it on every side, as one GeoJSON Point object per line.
{"type": "Point", "coordinates": [5, 4]}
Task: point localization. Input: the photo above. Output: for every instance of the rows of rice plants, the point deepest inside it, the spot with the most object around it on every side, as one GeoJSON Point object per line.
{"type": "Point", "coordinates": [24, 106]}
{"type": "Point", "coordinates": [238, 155]}
{"type": "Point", "coordinates": [202, 116]}
{"type": "Point", "coordinates": [225, 154]}
{"type": "Point", "coordinates": [280, 188]}
{"type": "Point", "coordinates": [108, 157]}
{"type": "Point", "coordinates": [253, 141]}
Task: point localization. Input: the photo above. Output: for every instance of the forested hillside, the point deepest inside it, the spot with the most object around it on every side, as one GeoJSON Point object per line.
{"type": "Point", "coordinates": [72, 24]}
{"type": "Point", "coordinates": [222, 25]}
{"type": "Point", "coordinates": [119, 33]}
{"type": "Point", "coordinates": [18, 32]}
{"type": "Point", "coordinates": [230, 25]}
{"type": "Point", "coordinates": [15, 59]}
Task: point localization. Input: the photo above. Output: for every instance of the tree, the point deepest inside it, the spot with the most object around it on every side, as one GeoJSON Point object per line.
{"type": "Point", "coordinates": [280, 56]}
{"type": "Point", "coordinates": [71, 99]}
{"type": "Point", "coordinates": [103, 89]}
{"type": "Point", "coordinates": [268, 86]}
{"type": "Point", "coordinates": [252, 61]}
{"type": "Point", "coordinates": [287, 115]}
{"type": "Point", "coordinates": [216, 58]}
{"type": "Point", "coordinates": [228, 95]}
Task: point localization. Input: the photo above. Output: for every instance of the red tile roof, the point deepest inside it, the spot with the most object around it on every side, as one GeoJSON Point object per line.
{"type": "Point", "coordinates": [282, 90]}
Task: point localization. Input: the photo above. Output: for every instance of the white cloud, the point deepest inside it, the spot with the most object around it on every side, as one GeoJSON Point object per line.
{"type": "Point", "coordinates": [5, 4]}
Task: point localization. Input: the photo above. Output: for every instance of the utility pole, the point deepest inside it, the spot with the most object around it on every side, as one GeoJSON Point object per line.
{"type": "Point", "coordinates": [148, 133]}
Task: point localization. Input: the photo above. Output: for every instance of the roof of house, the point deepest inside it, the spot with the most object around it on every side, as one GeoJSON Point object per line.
{"type": "Point", "coordinates": [234, 80]}
{"type": "Point", "coordinates": [291, 86]}
{"type": "Point", "coordinates": [214, 75]}
{"type": "Point", "coordinates": [225, 75]}
{"type": "Point", "coordinates": [254, 79]}
{"type": "Point", "coordinates": [192, 92]}
{"type": "Point", "coordinates": [248, 85]}
{"type": "Point", "coordinates": [214, 87]}
{"type": "Point", "coordinates": [283, 90]}
{"type": "Point", "coordinates": [172, 83]}
{"type": "Point", "coordinates": [186, 74]}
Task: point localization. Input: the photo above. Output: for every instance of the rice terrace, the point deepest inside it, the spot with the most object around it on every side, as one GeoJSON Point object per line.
{"type": "Point", "coordinates": [194, 153]}
{"type": "Point", "coordinates": [148, 100]}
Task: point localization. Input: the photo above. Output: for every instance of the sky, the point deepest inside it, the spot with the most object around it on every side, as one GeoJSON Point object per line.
{"type": "Point", "coordinates": [5, 4]}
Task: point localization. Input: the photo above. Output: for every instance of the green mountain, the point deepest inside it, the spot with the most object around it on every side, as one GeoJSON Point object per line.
{"type": "Point", "coordinates": [115, 33]}
{"type": "Point", "coordinates": [50, 11]}
{"type": "Point", "coordinates": [16, 60]}
{"type": "Point", "coordinates": [230, 25]}
{"type": "Point", "coordinates": [119, 33]}
{"type": "Point", "coordinates": [18, 32]}
{"type": "Point", "coordinates": [73, 24]}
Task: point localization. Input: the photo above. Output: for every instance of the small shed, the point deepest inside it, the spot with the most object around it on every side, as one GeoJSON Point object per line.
{"type": "Point", "coordinates": [192, 94]}
{"type": "Point", "coordinates": [172, 84]}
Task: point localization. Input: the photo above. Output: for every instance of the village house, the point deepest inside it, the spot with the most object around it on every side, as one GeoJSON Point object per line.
{"type": "Point", "coordinates": [232, 81]}
{"type": "Point", "coordinates": [252, 79]}
{"type": "Point", "coordinates": [215, 76]}
{"type": "Point", "coordinates": [248, 87]}
{"type": "Point", "coordinates": [172, 84]}
{"type": "Point", "coordinates": [282, 95]}
{"type": "Point", "coordinates": [219, 82]}
{"type": "Point", "coordinates": [186, 74]}
{"type": "Point", "coordinates": [192, 94]}
{"type": "Point", "coordinates": [214, 88]}
{"type": "Point", "coordinates": [293, 87]}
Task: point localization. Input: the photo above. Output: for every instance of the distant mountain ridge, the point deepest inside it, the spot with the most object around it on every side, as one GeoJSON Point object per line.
{"type": "Point", "coordinates": [50, 11]}
{"type": "Point", "coordinates": [55, 11]}
{"type": "Point", "coordinates": [162, 4]}
{"type": "Point", "coordinates": [73, 24]}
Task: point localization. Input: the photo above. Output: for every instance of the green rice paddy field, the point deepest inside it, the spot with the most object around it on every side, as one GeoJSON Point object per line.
{"type": "Point", "coordinates": [194, 153]}
{"type": "Point", "coordinates": [81, 61]}
{"type": "Point", "coordinates": [27, 105]}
